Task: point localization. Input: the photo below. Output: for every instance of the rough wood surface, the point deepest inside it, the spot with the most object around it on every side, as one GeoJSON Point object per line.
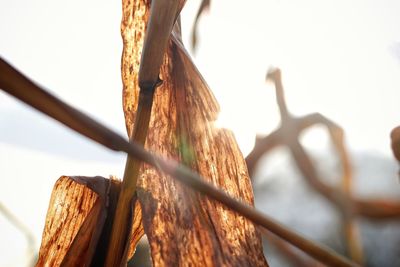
{"type": "Point", "coordinates": [78, 222]}
{"type": "Point", "coordinates": [184, 228]}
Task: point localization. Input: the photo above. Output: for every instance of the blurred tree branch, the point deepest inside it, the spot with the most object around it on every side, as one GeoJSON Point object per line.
{"type": "Point", "coordinates": [288, 133]}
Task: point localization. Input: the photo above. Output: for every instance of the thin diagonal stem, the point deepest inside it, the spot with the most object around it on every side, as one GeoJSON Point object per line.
{"type": "Point", "coordinates": [14, 83]}
{"type": "Point", "coordinates": [163, 15]}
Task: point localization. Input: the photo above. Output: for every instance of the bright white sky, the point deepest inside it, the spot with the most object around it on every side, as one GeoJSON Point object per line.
{"type": "Point", "coordinates": [340, 58]}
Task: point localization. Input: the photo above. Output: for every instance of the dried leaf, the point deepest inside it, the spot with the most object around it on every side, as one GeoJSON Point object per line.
{"type": "Point", "coordinates": [16, 84]}
{"type": "Point", "coordinates": [79, 220]}
{"type": "Point", "coordinates": [72, 206]}
{"type": "Point", "coordinates": [182, 226]}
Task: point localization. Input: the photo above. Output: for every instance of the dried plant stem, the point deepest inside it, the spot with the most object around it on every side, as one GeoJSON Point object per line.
{"type": "Point", "coordinates": [121, 225]}
{"type": "Point", "coordinates": [288, 251]}
{"type": "Point", "coordinates": [16, 84]}
{"type": "Point", "coordinates": [182, 226]}
{"type": "Point", "coordinates": [162, 18]}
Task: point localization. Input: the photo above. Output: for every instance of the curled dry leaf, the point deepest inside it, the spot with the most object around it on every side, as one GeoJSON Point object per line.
{"type": "Point", "coordinates": [78, 222]}
{"type": "Point", "coordinates": [71, 203]}
{"type": "Point", "coordinates": [182, 226]}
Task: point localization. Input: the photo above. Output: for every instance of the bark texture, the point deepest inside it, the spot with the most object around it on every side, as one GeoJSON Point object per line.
{"type": "Point", "coordinates": [183, 227]}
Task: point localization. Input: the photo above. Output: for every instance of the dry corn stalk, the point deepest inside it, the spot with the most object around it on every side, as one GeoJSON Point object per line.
{"type": "Point", "coordinates": [183, 227]}
{"type": "Point", "coordinates": [16, 84]}
{"type": "Point", "coordinates": [161, 21]}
